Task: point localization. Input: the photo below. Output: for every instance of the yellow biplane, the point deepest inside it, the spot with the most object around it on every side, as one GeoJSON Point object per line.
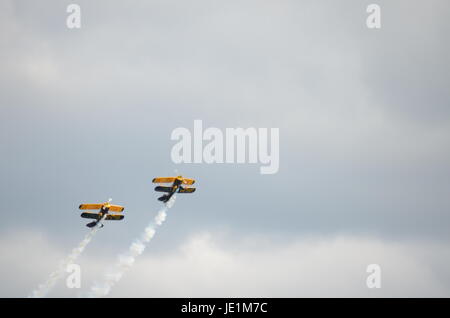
{"type": "Point", "coordinates": [176, 186]}
{"type": "Point", "coordinates": [103, 213]}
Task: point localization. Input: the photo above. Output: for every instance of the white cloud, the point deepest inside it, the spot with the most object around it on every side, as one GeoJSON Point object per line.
{"type": "Point", "coordinates": [222, 266]}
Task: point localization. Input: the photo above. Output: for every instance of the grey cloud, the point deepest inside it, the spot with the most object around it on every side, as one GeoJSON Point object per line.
{"type": "Point", "coordinates": [87, 114]}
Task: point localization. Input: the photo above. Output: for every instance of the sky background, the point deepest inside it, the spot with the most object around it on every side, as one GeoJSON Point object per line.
{"type": "Point", "coordinates": [364, 117]}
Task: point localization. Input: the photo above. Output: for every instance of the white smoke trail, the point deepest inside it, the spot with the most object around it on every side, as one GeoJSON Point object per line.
{"type": "Point", "coordinates": [46, 287]}
{"type": "Point", "coordinates": [126, 261]}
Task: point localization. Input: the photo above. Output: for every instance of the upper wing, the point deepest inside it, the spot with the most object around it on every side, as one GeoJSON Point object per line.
{"type": "Point", "coordinates": [90, 206]}
{"type": "Point", "coordinates": [163, 180]}
{"type": "Point", "coordinates": [116, 217]}
{"type": "Point", "coordinates": [187, 190]}
{"type": "Point", "coordinates": [116, 208]}
{"type": "Point", "coordinates": [188, 181]}
{"type": "Point", "coordinates": [87, 215]}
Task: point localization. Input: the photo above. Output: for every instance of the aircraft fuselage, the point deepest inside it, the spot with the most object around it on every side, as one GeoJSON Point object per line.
{"type": "Point", "coordinates": [176, 187]}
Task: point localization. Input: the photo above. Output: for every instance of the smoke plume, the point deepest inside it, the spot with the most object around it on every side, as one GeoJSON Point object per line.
{"type": "Point", "coordinates": [125, 261]}
{"type": "Point", "coordinates": [46, 287]}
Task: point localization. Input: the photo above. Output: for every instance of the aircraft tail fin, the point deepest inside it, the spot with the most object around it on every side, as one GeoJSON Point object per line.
{"type": "Point", "coordinates": [164, 198]}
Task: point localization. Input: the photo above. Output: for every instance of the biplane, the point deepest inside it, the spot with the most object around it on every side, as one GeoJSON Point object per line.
{"type": "Point", "coordinates": [176, 187]}
{"type": "Point", "coordinates": [103, 212]}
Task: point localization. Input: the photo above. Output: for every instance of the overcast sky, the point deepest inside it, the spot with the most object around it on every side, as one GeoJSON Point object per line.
{"type": "Point", "coordinates": [86, 114]}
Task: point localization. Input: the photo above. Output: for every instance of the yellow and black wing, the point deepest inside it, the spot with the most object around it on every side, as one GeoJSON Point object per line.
{"type": "Point", "coordinates": [88, 215]}
{"type": "Point", "coordinates": [188, 181]}
{"type": "Point", "coordinates": [114, 217]}
{"type": "Point", "coordinates": [187, 190]}
{"type": "Point", "coordinates": [164, 180]}
{"type": "Point", "coordinates": [90, 206]}
{"type": "Point", "coordinates": [116, 208]}
{"type": "Point", "coordinates": [163, 189]}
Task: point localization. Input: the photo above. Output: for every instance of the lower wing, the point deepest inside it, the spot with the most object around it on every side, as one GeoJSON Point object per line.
{"type": "Point", "coordinates": [163, 189]}
{"type": "Point", "coordinates": [187, 190]}
{"type": "Point", "coordinates": [88, 215]}
{"type": "Point", "coordinates": [114, 217]}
